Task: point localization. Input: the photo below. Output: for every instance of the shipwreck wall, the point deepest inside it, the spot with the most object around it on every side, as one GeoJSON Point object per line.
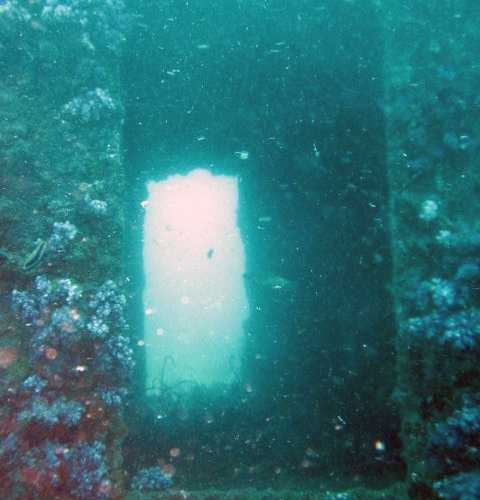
{"type": "Point", "coordinates": [65, 356]}
{"type": "Point", "coordinates": [432, 115]}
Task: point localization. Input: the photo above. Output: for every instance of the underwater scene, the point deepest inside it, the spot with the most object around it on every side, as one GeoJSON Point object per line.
{"type": "Point", "coordinates": [239, 249]}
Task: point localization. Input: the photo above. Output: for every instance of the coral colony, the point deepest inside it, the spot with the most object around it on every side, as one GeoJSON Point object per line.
{"type": "Point", "coordinates": [95, 207]}
{"type": "Point", "coordinates": [445, 318]}
{"type": "Point", "coordinates": [449, 322]}
{"type": "Point", "coordinates": [92, 106]}
{"type": "Point", "coordinates": [54, 424]}
{"type": "Point", "coordinates": [455, 448]}
{"type": "Point", "coordinates": [62, 386]}
{"type": "Point", "coordinates": [62, 234]}
{"type": "Point", "coordinates": [151, 479]}
{"type": "Point", "coordinates": [51, 443]}
{"type": "Point", "coordinates": [81, 363]}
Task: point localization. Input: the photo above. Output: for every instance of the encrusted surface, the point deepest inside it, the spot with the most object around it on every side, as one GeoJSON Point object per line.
{"type": "Point", "coordinates": [61, 181]}
{"type": "Point", "coordinates": [432, 110]}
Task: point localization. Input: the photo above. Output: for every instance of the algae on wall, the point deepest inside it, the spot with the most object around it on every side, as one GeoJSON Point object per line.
{"type": "Point", "coordinates": [61, 226]}
{"type": "Point", "coordinates": [432, 112]}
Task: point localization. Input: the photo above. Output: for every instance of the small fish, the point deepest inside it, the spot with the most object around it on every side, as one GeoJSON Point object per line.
{"type": "Point", "coordinates": [271, 280]}
{"type": "Point", "coordinates": [33, 259]}
{"type": "Point", "coordinates": [242, 155]}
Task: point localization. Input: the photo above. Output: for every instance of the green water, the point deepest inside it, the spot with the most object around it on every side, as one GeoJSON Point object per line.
{"type": "Point", "coordinates": [347, 366]}
{"type": "Point", "coordinates": [297, 89]}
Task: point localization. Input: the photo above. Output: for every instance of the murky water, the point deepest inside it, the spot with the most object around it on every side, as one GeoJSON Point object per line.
{"type": "Point", "coordinates": [239, 249]}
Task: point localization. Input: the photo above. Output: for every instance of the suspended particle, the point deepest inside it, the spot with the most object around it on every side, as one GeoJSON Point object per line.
{"type": "Point", "coordinates": [379, 445]}
{"type": "Point", "coordinates": [51, 353]}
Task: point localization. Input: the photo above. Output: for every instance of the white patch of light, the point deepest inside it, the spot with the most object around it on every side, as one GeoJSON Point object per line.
{"type": "Point", "coordinates": [194, 299]}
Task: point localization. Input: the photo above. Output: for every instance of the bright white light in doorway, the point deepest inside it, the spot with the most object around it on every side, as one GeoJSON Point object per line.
{"type": "Point", "coordinates": [194, 299]}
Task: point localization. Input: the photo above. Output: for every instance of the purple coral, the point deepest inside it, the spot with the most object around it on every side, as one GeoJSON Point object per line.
{"type": "Point", "coordinates": [63, 233]}
{"type": "Point", "coordinates": [445, 310]}
{"type": "Point", "coordinates": [49, 413]}
{"type": "Point", "coordinates": [79, 470]}
{"type": "Point", "coordinates": [87, 471]}
{"type": "Point", "coordinates": [459, 487]}
{"type": "Point", "coordinates": [460, 330]}
{"type": "Point", "coordinates": [94, 206]}
{"type": "Point", "coordinates": [151, 479]}
{"type": "Point", "coordinates": [75, 340]}
{"type": "Point", "coordinates": [455, 442]}
{"type": "Point", "coordinates": [107, 305]}
{"type": "Point", "coordinates": [94, 105]}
